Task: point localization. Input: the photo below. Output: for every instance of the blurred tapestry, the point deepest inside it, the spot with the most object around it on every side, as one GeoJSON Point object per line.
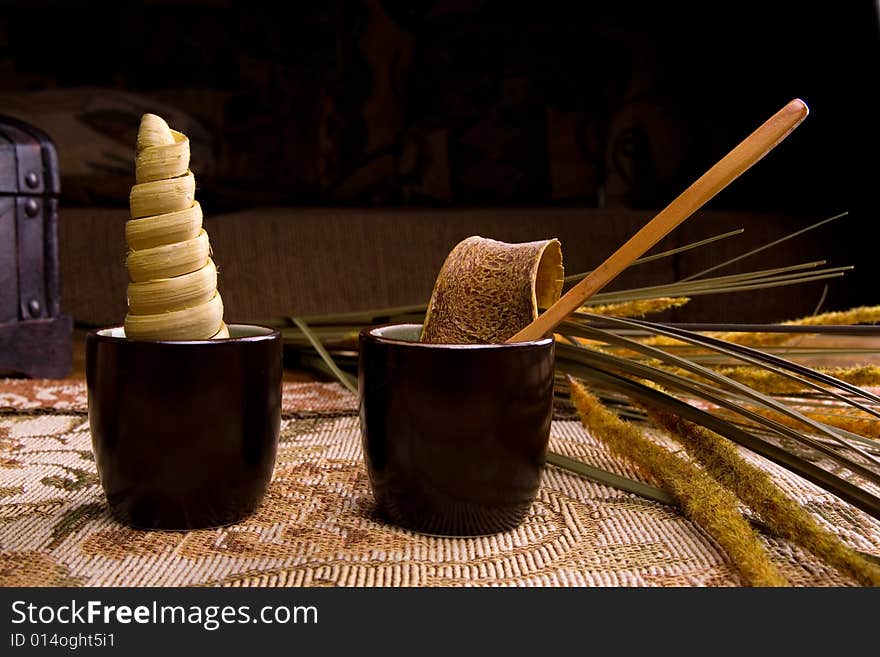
{"type": "Point", "coordinates": [362, 102]}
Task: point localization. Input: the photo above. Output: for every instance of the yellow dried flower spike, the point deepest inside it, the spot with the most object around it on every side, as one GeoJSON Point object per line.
{"type": "Point", "coordinates": [852, 420]}
{"type": "Point", "coordinates": [755, 488]}
{"type": "Point", "coordinates": [860, 315]}
{"type": "Point", "coordinates": [173, 290]}
{"type": "Point", "coordinates": [775, 384]}
{"type": "Point", "coordinates": [702, 498]}
{"type": "Point", "coordinates": [637, 308]}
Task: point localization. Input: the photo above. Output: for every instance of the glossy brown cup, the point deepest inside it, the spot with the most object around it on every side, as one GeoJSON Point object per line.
{"type": "Point", "coordinates": [454, 436]}
{"type": "Point", "coordinates": [184, 432]}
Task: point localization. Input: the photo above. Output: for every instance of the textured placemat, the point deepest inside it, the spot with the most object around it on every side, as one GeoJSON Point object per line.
{"type": "Point", "coordinates": [317, 525]}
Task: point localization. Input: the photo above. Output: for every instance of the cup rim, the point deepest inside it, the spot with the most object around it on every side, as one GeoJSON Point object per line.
{"type": "Point", "coordinates": [368, 334]}
{"type": "Point", "coordinates": [267, 333]}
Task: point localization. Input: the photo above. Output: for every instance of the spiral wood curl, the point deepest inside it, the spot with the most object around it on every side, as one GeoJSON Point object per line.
{"type": "Point", "coordinates": [172, 294]}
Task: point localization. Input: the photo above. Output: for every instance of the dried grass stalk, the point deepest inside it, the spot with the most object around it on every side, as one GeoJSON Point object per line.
{"type": "Point", "coordinates": [702, 498]}
{"type": "Point", "coordinates": [756, 489]}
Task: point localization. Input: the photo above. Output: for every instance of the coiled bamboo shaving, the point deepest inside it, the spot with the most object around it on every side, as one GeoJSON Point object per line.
{"type": "Point", "coordinates": [173, 291]}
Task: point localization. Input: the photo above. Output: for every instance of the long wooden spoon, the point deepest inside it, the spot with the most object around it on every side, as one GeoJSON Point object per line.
{"type": "Point", "coordinates": [725, 171]}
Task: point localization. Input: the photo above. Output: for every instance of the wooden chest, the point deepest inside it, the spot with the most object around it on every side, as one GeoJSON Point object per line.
{"type": "Point", "coordinates": [35, 338]}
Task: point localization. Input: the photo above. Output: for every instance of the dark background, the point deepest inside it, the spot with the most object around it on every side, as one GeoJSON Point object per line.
{"type": "Point", "coordinates": [459, 103]}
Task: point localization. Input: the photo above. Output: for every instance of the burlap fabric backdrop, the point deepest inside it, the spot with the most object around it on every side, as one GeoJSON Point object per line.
{"type": "Point", "coordinates": [318, 526]}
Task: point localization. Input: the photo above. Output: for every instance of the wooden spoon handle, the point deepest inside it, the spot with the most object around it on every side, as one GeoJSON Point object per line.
{"type": "Point", "coordinates": [725, 171]}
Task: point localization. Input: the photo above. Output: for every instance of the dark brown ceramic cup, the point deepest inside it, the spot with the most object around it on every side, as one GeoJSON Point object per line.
{"type": "Point", "coordinates": [184, 433]}
{"type": "Point", "coordinates": [454, 436]}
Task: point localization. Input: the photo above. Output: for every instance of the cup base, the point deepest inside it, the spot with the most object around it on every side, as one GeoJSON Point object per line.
{"type": "Point", "coordinates": [151, 510]}
{"type": "Point", "coordinates": [169, 524]}
{"type": "Point", "coordinates": [448, 516]}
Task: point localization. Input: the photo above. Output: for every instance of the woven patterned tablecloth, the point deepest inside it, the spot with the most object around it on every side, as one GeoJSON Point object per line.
{"type": "Point", "coordinates": [317, 525]}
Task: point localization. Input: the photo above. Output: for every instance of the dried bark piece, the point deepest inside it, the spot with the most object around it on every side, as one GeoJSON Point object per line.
{"type": "Point", "coordinates": [487, 290]}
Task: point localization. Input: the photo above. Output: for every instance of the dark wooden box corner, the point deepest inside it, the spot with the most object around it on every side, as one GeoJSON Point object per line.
{"type": "Point", "coordinates": [35, 338]}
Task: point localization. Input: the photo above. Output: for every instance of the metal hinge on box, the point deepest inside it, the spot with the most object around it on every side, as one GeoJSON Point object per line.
{"type": "Point", "coordinates": [35, 338]}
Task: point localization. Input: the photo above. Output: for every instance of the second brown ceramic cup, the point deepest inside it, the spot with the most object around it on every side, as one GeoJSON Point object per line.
{"type": "Point", "coordinates": [454, 436]}
{"type": "Point", "coordinates": [184, 433]}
